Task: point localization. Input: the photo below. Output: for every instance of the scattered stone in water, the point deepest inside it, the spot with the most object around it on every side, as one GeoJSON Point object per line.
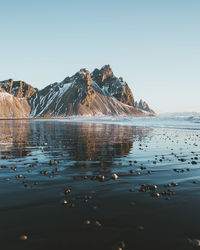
{"type": "Point", "coordinates": [182, 159]}
{"type": "Point", "coordinates": [18, 176]}
{"type": "Point", "coordinates": [115, 176]}
{"type": "Point", "coordinates": [144, 188]}
{"type": "Point", "coordinates": [157, 195]}
{"type": "Point", "coordinates": [87, 222]}
{"type": "Point", "coordinates": [67, 191]}
{"type": "Point", "coordinates": [23, 237]}
{"type": "Point", "coordinates": [64, 202]}
{"type": "Point", "coordinates": [194, 242]}
{"type": "Point", "coordinates": [120, 246]}
{"type": "Point", "coordinates": [98, 223]}
{"type": "Point", "coordinates": [174, 184]}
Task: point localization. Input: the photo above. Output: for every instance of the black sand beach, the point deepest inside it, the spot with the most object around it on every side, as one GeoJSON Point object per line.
{"type": "Point", "coordinates": [66, 185]}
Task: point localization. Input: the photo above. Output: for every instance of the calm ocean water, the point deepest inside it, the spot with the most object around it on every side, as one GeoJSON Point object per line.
{"type": "Point", "coordinates": [40, 159]}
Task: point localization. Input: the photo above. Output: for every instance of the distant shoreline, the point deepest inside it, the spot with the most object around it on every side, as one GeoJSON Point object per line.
{"type": "Point", "coordinates": [67, 117]}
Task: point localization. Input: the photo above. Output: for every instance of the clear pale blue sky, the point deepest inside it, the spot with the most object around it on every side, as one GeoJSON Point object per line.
{"type": "Point", "coordinates": [153, 44]}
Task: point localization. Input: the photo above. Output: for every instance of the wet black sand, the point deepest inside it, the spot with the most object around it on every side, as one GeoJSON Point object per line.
{"type": "Point", "coordinates": [153, 204]}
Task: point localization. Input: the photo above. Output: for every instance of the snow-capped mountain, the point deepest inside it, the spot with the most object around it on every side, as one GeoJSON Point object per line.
{"type": "Point", "coordinates": [98, 93]}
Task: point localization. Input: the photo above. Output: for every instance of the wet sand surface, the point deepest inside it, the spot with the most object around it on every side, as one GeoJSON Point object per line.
{"type": "Point", "coordinates": [66, 185]}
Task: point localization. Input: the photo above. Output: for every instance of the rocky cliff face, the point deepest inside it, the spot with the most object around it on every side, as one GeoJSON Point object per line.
{"type": "Point", "coordinates": [113, 86]}
{"type": "Point", "coordinates": [98, 93]}
{"type": "Point", "coordinates": [19, 89]}
{"type": "Point", "coordinates": [13, 107]}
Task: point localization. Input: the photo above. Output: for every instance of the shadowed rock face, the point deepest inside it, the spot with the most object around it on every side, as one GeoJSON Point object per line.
{"type": "Point", "coordinates": [113, 86]}
{"type": "Point", "coordinates": [98, 93]}
{"type": "Point", "coordinates": [13, 107]}
{"type": "Point", "coordinates": [19, 89]}
{"type": "Point", "coordinates": [14, 97]}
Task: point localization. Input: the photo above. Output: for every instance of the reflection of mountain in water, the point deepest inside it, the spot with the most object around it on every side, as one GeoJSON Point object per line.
{"type": "Point", "coordinates": [14, 138]}
{"type": "Point", "coordinates": [69, 140]}
{"type": "Point", "coordinates": [89, 141]}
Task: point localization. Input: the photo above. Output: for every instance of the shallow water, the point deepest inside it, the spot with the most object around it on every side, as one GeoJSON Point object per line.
{"type": "Point", "coordinates": [81, 152]}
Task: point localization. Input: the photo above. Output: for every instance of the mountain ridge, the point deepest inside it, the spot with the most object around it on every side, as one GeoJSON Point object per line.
{"type": "Point", "coordinates": [94, 94]}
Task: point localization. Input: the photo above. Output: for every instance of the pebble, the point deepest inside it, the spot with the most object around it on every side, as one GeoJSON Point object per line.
{"type": "Point", "coordinates": [115, 177]}
{"type": "Point", "coordinates": [87, 222]}
{"type": "Point", "coordinates": [97, 223]}
{"type": "Point", "coordinates": [64, 202]}
{"type": "Point", "coordinates": [23, 237]}
{"type": "Point", "coordinates": [67, 191]}
{"type": "Point", "coordinates": [194, 242]}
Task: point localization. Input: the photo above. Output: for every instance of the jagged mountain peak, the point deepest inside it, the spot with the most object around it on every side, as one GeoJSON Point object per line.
{"type": "Point", "coordinates": [84, 93]}
{"type": "Point", "coordinates": [142, 105]}
{"type": "Point", "coordinates": [19, 89]}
